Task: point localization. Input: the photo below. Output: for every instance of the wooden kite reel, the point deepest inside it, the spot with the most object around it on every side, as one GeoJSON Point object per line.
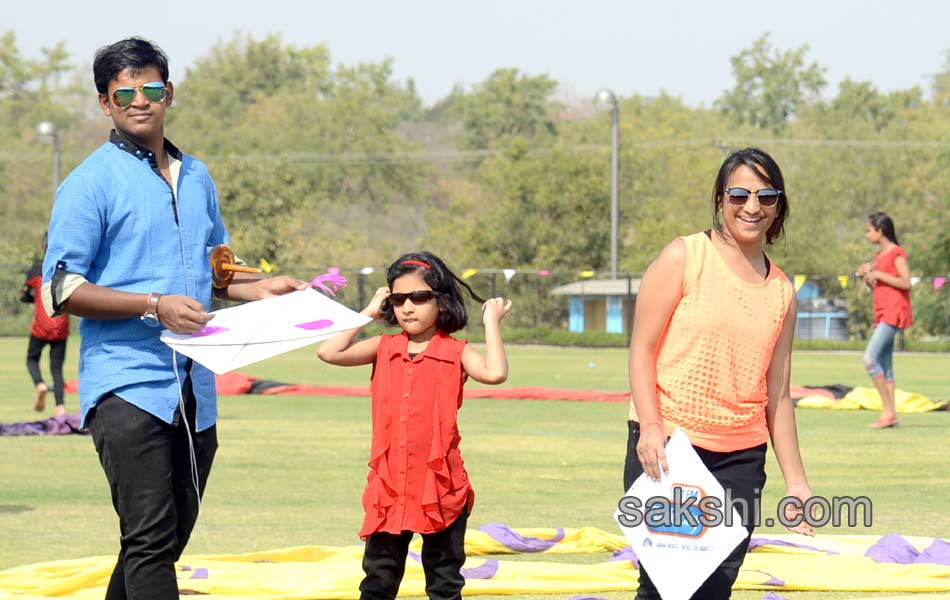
{"type": "Point", "coordinates": [223, 267]}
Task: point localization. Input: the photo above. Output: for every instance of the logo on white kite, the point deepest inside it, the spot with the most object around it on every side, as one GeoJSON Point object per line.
{"type": "Point", "coordinates": [680, 515]}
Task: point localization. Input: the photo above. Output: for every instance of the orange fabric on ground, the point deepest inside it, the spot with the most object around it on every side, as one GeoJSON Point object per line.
{"type": "Point", "coordinates": [798, 391]}
{"type": "Point", "coordinates": [235, 384]}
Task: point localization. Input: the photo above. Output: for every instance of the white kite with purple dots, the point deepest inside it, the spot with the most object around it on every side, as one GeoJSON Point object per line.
{"type": "Point", "coordinates": [252, 332]}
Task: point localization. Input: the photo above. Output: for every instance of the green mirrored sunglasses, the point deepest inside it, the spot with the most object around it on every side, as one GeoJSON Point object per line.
{"type": "Point", "coordinates": [154, 91]}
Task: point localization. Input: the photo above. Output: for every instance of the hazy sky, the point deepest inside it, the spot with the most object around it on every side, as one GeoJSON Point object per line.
{"type": "Point", "coordinates": [629, 46]}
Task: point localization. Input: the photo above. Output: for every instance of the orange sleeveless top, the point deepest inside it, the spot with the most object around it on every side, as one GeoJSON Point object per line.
{"type": "Point", "coordinates": [713, 358]}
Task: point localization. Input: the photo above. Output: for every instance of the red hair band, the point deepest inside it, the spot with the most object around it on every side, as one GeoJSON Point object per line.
{"type": "Point", "coordinates": [415, 262]}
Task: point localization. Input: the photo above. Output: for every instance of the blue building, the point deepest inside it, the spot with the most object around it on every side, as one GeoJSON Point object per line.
{"type": "Point", "coordinates": [608, 305]}
{"type": "Point", "coordinates": [820, 318]}
{"type": "Point", "coordinates": [600, 304]}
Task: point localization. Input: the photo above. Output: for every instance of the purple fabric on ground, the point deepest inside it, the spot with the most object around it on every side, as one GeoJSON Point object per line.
{"type": "Point", "coordinates": [772, 596]}
{"type": "Point", "coordinates": [62, 425]}
{"type": "Point", "coordinates": [760, 541]}
{"type": "Point", "coordinates": [200, 573]}
{"type": "Point", "coordinates": [486, 571]}
{"type": "Point", "coordinates": [773, 580]}
{"type": "Point", "coordinates": [517, 542]}
{"type": "Point", "coordinates": [893, 548]}
{"type": "Point", "coordinates": [937, 552]}
{"type": "Point", "coordinates": [626, 553]}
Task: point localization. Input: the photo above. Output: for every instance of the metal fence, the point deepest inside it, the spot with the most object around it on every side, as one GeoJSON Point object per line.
{"type": "Point", "coordinates": [576, 301]}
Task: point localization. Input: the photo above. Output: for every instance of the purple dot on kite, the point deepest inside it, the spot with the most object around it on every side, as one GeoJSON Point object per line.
{"type": "Point", "coordinates": [210, 330]}
{"type": "Point", "coordinates": [314, 325]}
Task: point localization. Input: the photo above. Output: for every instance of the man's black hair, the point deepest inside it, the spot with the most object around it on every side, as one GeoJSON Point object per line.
{"type": "Point", "coordinates": [133, 53]}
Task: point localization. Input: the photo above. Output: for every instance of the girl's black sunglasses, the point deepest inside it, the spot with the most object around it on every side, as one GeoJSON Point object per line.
{"type": "Point", "coordinates": [417, 297]}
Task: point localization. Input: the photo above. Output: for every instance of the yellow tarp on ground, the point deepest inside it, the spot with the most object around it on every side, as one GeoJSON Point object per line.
{"type": "Point", "coordinates": [832, 563]}
{"type": "Point", "coordinates": [868, 399]}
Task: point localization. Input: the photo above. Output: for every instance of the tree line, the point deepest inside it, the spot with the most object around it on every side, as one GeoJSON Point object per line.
{"type": "Point", "coordinates": [323, 164]}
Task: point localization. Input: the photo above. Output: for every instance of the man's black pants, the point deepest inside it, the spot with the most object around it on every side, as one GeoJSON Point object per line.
{"type": "Point", "coordinates": [743, 473]}
{"type": "Point", "coordinates": [148, 465]}
{"type": "Point", "coordinates": [443, 554]}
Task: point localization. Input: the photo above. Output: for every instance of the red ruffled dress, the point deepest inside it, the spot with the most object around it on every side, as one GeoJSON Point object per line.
{"type": "Point", "coordinates": [417, 480]}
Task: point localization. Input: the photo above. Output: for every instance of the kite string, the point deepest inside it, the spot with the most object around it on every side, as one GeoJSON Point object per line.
{"type": "Point", "coordinates": [191, 443]}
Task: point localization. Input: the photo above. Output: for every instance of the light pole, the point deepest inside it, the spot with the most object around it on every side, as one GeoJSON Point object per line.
{"type": "Point", "coordinates": [361, 275]}
{"type": "Point", "coordinates": [606, 100]}
{"type": "Point", "coordinates": [47, 130]}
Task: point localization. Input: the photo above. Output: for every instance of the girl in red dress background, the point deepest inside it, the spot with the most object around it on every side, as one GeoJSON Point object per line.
{"type": "Point", "coordinates": [889, 277]}
{"type": "Point", "coordinates": [417, 481]}
{"type": "Point", "coordinates": [45, 331]}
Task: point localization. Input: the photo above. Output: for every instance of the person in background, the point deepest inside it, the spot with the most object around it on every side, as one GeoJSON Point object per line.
{"type": "Point", "coordinates": [45, 330]}
{"type": "Point", "coordinates": [888, 275]}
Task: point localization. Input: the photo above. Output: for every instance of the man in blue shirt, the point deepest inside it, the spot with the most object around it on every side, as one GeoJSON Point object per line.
{"type": "Point", "coordinates": [128, 251]}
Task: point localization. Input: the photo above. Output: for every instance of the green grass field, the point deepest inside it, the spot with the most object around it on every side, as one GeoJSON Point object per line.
{"type": "Point", "coordinates": [290, 470]}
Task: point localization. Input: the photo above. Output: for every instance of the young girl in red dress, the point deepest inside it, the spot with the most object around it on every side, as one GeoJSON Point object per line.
{"type": "Point", "coordinates": [417, 481]}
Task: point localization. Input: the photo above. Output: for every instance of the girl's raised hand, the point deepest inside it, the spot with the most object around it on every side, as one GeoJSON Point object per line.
{"type": "Point", "coordinates": [375, 306]}
{"type": "Point", "coordinates": [495, 309]}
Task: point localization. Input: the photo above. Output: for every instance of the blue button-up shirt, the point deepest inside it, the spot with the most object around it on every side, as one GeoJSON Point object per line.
{"type": "Point", "coordinates": [117, 223]}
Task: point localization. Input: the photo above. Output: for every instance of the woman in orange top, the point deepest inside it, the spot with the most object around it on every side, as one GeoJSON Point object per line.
{"type": "Point", "coordinates": [711, 353]}
{"type": "Point", "coordinates": [889, 277]}
{"type": "Point", "coordinates": [417, 482]}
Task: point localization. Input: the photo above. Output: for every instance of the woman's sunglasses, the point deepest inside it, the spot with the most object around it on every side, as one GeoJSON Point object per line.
{"type": "Point", "coordinates": [154, 91]}
{"type": "Point", "coordinates": [766, 196]}
{"type": "Point", "coordinates": [417, 297]}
